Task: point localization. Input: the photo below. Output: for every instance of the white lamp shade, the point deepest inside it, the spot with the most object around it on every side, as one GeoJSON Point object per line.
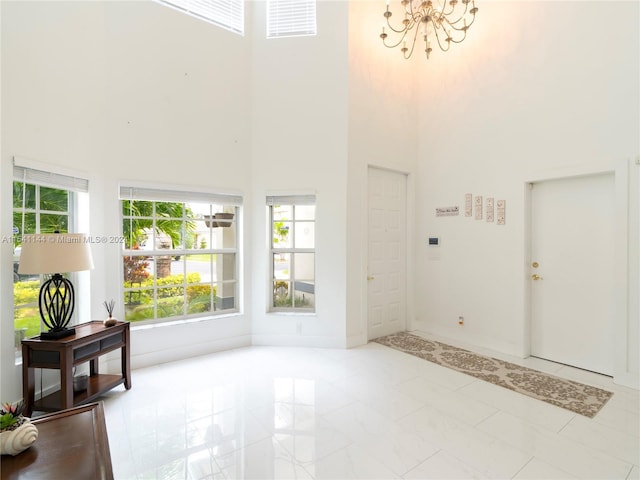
{"type": "Point", "coordinates": [55, 253]}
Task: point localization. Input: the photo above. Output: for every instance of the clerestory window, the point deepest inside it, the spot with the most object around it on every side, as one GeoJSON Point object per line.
{"type": "Point", "coordinates": [228, 14]}
{"type": "Point", "coordinates": [291, 18]}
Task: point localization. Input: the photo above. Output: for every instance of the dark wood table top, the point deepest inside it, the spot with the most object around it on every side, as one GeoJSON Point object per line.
{"type": "Point", "coordinates": [72, 444]}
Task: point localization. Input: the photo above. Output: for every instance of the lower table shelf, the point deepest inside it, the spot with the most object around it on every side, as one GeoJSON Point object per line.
{"type": "Point", "coordinates": [96, 385]}
{"type": "Point", "coordinates": [87, 345]}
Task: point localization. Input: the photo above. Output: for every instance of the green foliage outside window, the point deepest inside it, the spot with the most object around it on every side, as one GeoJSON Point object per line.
{"type": "Point", "coordinates": [36, 209]}
{"type": "Point", "coordinates": [139, 216]}
{"type": "Point", "coordinates": [26, 314]}
{"type": "Point", "coordinates": [44, 207]}
{"type": "Point", "coordinates": [171, 297]}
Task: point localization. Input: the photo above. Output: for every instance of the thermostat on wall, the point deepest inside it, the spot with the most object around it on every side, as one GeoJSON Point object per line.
{"type": "Point", "coordinates": [434, 241]}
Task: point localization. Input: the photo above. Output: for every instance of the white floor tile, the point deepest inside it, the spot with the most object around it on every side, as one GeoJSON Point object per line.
{"type": "Point", "coordinates": [604, 439]}
{"type": "Point", "coordinates": [443, 466]}
{"type": "Point", "coordinates": [263, 460]}
{"type": "Point", "coordinates": [484, 453]}
{"type": "Point", "coordinates": [444, 376]}
{"type": "Point", "coordinates": [536, 469]}
{"type": "Point", "coordinates": [398, 449]}
{"type": "Point", "coordinates": [311, 440]}
{"type": "Point", "coordinates": [385, 399]}
{"type": "Point", "coordinates": [522, 406]}
{"type": "Point", "coordinates": [453, 403]}
{"type": "Point", "coordinates": [367, 412]}
{"type": "Point", "coordinates": [350, 463]}
{"type": "Point", "coordinates": [554, 449]}
{"type": "Point", "coordinates": [626, 400]}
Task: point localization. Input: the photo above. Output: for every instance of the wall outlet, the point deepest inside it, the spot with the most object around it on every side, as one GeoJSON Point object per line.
{"type": "Point", "coordinates": [460, 320]}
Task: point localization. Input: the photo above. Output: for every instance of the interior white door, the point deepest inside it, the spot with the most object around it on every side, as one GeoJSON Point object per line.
{"type": "Point", "coordinates": [387, 248]}
{"type": "Point", "coordinates": [572, 275]}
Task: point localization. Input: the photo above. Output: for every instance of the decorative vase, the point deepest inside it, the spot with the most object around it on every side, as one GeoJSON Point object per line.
{"type": "Point", "coordinates": [12, 442]}
{"type": "Point", "coordinates": [110, 322]}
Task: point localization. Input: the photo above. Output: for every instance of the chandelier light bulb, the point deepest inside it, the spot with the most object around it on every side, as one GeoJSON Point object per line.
{"type": "Point", "coordinates": [443, 25]}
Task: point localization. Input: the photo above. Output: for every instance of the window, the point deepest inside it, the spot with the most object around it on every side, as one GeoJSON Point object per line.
{"type": "Point", "coordinates": [292, 220]}
{"type": "Point", "coordinates": [228, 14]}
{"type": "Point", "coordinates": [43, 202]}
{"type": "Point", "coordinates": [180, 257]}
{"type": "Point", "coordinates": [291, 18]}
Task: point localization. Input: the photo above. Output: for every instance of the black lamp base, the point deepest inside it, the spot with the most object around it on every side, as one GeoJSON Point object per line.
{"type": "Point", "coordinates": [56, 334]}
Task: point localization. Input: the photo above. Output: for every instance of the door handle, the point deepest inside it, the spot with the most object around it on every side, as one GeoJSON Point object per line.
{"type": "Point", "coordinates": [369, 277]}
{"type": "Point", "coordinates": [536, 277]}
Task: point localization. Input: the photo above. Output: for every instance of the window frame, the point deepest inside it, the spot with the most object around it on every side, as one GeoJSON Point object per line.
{"type": "Point", "coordinates": [227, 14]}
{"type": "Point", "coordinates": [291, 18]}
{"type": "Point", "coordinates": [293, 201]}
{"type": "Point", "coordinates": [29, 173]}
{"type": "Point", "coordinates": [215, 202]}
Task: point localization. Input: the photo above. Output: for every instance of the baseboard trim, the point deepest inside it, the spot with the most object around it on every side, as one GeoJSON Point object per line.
{"type": "Point", "coordinates": [298, 341]}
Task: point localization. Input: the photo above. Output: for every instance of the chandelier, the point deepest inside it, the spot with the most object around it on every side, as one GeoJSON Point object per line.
{"type": "Point", "coordinates": [444, 26]}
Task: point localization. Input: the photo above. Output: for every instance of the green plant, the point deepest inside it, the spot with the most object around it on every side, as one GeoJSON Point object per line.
{"type": "Point", "coordinates": [139, 216]}
{"type": "Point", "coordinates": [280, 232]}
{"type": "Point", "coordinates": [170, 297]}
{"type": "Point", "coordinates": [10, 415]}
{"type": "Point", "coordinates": [135, 269]}
{"type": "Point", "coordinates": [26, 293]}
{"type": "Point", "coordinates": [25, 312]}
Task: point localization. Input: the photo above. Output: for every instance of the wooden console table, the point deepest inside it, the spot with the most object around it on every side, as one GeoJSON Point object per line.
{"type": "Point", "coordinates": [91, 340]}
{"type": "Point", "coordinates": [71, 445]}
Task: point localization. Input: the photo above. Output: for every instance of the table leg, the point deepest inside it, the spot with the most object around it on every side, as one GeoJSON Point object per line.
{"type": "Point", "coordinates": [94, 367]}
{"type": "Point", "coordinates": [125, 359]}
{"type": "Point", "coordinates": [66, 378]}
{"type": "Point", "coordinates": [28, 382]}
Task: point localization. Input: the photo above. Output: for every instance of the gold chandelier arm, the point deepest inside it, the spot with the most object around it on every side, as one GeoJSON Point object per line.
{"type": "Point", "coordinates": [446, 24]}
{"type": "Point", "coordinates": [439, 32]}
{"type": "Point", "coordinates": [393, 45]}
{"type": "Point", "coordinates": [404, 49]}
{"type": "Point", "coordinates": [411, 17]}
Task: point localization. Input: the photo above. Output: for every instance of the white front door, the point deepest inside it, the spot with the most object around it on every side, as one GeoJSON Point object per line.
{"type": "Point", "coordinates": [572, 273]}
{"type": "Point", "coordinates": [387, 248]}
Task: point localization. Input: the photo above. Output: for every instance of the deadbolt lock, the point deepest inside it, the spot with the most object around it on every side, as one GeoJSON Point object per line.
{"type": "Point", "coordinates": [535, 264]}
{"type": "Point", "coordinates": [535, 276]}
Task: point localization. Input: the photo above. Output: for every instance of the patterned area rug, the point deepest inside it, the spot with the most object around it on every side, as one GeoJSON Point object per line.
{"type": "Point", "coordinates": [574, 396]}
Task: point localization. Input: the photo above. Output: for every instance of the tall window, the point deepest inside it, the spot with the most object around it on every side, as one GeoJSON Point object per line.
{"type": "Point", "coordinates": [180, 257]}
{"type": "Point", "coordinates": [43, 202]}
{"type": "Point", "coordinates": [293, 222]}
{"type": "Point", "coordinates": [228, 14]}
{"type": "Point", "coordinates": [291, 18]}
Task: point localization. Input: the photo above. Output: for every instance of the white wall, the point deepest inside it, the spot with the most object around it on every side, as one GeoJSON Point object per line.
{"type": "Point", "coordinates": [536, 87]}
{"type": "Point", "coordinates": [383, 129]}
{"type": "Point", "coordinates": [125, 91]}
{"type": "Point", "coordinates": [299, 126]}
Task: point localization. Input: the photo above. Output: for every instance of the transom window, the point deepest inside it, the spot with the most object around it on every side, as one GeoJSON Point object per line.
{"type": "Point", "coordinates": [228, 14]}
{"type": "Point", "coordinates": [292, 252]}
{"type": "Point", "coordinates": [291, 18]}
{"type": "Point", "coordinates": [180, 257]}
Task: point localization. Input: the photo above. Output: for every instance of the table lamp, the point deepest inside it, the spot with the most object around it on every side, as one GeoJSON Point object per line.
{"type": "Point", "coordinates": [55, 253]}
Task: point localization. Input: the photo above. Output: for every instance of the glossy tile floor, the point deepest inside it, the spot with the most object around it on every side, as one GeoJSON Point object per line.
{"type": "Point", "coordinates": [368, 412]}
